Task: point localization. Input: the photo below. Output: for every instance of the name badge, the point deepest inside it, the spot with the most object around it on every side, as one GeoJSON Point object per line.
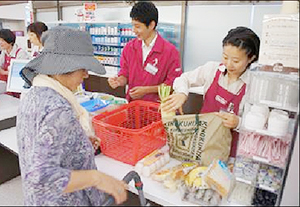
{"type": "Point", "coordinates": [151, 69]}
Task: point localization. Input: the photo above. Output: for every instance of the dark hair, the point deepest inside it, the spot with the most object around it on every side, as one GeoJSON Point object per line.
{"type": "Point", "coordinates": [8, 36]}
{"type": "Point", "coordinates": [144, 12]}
{"type": "Point", "coordinates": [38, 28]}
{"type": "Point", "coordinates": [244, 38]}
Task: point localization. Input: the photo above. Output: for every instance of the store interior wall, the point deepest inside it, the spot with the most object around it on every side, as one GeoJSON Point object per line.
{"type": "Point", "coordinates": [206, 25]}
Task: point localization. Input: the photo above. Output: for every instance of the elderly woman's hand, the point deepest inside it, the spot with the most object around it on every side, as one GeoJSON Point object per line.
{"type": "Point", "coordinates": [95, 141]}
{"type": "Point", "coordinates": [230, 120]}
{"type": "Point", "coordinates": [112, 186]}
{"type": "Point", "coordinates": [174, 102]}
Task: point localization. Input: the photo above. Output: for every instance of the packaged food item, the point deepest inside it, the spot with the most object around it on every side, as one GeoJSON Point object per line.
{"type": "Point", "coordinates": [172, 177]}
{"type": "Point", "coordinates": [153, 162]}
{"type": "Point", "coordinates": [219, 178]}
{"type": "Point", "coordinates": [195, 178]}
{"type": "Point", "coordinates": [203, 197]}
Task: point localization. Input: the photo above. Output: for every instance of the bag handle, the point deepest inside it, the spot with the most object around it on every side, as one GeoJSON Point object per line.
{"type": "Point", "coordinates": [176, 123]}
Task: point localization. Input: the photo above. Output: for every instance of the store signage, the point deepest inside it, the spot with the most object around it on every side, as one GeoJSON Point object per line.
{"type": "Point", "coordinates": [280, 40]}
{"type": "Point", "coordinates": [89, 11]}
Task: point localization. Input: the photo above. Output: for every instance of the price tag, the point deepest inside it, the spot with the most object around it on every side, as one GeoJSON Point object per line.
{"type": "Point", "coordinates": [266, 188]}
{"type": "Point", "coordinates": [243, 180]}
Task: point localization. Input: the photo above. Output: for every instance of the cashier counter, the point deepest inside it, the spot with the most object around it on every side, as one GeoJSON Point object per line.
{"type": "Point", "coordinates": [153, 190]}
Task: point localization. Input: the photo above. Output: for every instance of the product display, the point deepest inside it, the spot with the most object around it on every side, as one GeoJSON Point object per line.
{"type": "Point", "coordinates": [263, 198]}
{"type": "Point", "coordinates": [269, 177]}
{"type": "Point", "coordinates": [265, 139]}
{"type": "Point", "coordinates": [246, 169]}
{"type": "Point", "coordinates": [242, 194]}
{"type": "Point", "coordinates": [265, 148]}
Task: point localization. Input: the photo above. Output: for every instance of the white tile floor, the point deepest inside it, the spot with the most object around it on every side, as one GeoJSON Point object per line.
{"type": "Point", "coordinates": [11, 192]}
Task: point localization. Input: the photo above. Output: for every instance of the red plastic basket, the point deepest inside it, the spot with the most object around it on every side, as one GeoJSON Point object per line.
{"type": "Point", "coordinates": [131, 131]}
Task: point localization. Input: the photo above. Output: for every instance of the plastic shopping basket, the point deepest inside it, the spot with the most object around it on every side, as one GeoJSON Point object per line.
{"type": "Point", "coordinates": [131, 131]}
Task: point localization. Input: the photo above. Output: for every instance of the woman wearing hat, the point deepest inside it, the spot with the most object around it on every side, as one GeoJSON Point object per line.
{"type": "Point", "coordinates": [35, 31]}
{"type": "Point", "coordinates": [55, 154]}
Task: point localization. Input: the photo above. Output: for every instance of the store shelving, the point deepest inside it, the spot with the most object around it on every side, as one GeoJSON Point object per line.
{"type": "Point", "coordinates": [268, 148]}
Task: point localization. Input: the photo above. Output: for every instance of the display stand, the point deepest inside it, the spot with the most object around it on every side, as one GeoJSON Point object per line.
{"type": "Point", "coordinates": [266, 142]}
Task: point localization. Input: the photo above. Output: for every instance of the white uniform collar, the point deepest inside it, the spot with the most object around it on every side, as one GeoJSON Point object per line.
{"type": "Point", "coordinates": [13, 51]}
{"type": "Point", "coordinates": [151, 43]}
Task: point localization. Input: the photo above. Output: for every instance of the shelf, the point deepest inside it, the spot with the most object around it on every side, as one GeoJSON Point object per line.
{"type": "Point", "coordinates": [265, 132]}
{"type": "Point", "coordinates": [260, 186]}
{"type": "Point", "coordinates": [108, 44]}
{"type": "Point", "coordinates": [267, 188]}
{"type": "Point", "coordinates": [243, 180]}
{"type": "Point", "coordinates": [276, 105]}
{"type": "Point", "coordinates": [113, 35]}
{"type": "Point", "coordinates": [106, 54]}
{"type": "Point", "coordinates": [107, 64]}
{"type": "Point", "coordinates": [261, 160]}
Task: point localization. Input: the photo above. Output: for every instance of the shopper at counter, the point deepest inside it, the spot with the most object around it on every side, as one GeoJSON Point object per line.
{"type": "Point", "coordinates": [224, 83]}
{"type": "Point", "coordinates": [10, 50]}
{"type": "Point", "coordinates": [55, 154]}
{"type": "Point", "coordinates": [148, 60]}
{"type": "Point", "coordinates": [35, 31]}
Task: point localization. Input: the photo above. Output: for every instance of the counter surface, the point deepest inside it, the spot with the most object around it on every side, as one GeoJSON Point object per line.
{"type": "Point", "coordinates": [153, 190]}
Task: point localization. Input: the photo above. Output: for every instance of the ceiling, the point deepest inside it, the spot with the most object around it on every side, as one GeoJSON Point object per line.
{"type": "Point", "coordinates": [53, 4]}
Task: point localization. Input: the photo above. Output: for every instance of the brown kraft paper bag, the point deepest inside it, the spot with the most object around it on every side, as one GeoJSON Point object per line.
{"type": "Point", "coordinates": [201, 137]}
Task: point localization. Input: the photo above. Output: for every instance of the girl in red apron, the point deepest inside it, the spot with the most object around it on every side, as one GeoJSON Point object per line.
{"type": "Point", "coordinates": [9, 51]}
{"type": "Point", "coordinates": [225, 83]}
{"type": "Point", "coordinates": [35, 31]}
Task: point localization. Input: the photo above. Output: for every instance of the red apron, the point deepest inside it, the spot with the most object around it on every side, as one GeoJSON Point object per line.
{"type": "Point", "coordinates": [5, 66]}
{"type": "Point", "coordinates": [217, 98]}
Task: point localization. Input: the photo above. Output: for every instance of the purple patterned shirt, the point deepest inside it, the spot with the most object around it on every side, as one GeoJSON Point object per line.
{"type": "Point", "coordinates": [51, 144]}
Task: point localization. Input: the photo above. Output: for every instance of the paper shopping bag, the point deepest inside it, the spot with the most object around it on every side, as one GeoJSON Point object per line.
{"type": "Point", "coordinates": [200, 137]}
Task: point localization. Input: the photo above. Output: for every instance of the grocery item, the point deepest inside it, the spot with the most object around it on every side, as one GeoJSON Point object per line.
{"type": "Point", "coordinates": [263, 147]}
{"type": "Point", "coordinates": [278, 122]}
{"type": "Point", "coordinates": [172, 177]}
{"type": "Point", "coordinates": [257, 117]}
{"type": "Point", "coordinates": [242, 194]}
{"type": "Point", "coordinates": [219, 178]}
{"type": "Point", "coordinates": [163, 92]}
{"type": "Point", "coordinates": [195, 179]}
{"type": "Point", "coordinates": [153, 162]}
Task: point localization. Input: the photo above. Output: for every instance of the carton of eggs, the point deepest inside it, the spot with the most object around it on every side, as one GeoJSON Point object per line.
{"type": "Point", "coordinates": [153, 162]}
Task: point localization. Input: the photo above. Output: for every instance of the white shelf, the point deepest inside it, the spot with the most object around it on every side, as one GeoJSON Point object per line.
{"type": "Point", "coordinates": [267, 133]}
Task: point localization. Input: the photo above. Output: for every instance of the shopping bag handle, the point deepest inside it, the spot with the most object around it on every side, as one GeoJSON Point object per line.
{"type": "Point", "coordinates": [176, 123]}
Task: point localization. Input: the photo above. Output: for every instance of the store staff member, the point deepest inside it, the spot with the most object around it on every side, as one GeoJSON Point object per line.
{"type": "Point", "coordinates": [148, 60]}
{"type": "Point", "coordinates": [224, 83]}
{"type": "Point", "coordinates": [10, 50]}
{"type": "Point", "coordinates": [35, 31]}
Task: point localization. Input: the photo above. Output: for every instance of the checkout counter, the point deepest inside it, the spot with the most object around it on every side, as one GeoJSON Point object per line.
{"type": "Point", "coordinates": [153, 190]}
